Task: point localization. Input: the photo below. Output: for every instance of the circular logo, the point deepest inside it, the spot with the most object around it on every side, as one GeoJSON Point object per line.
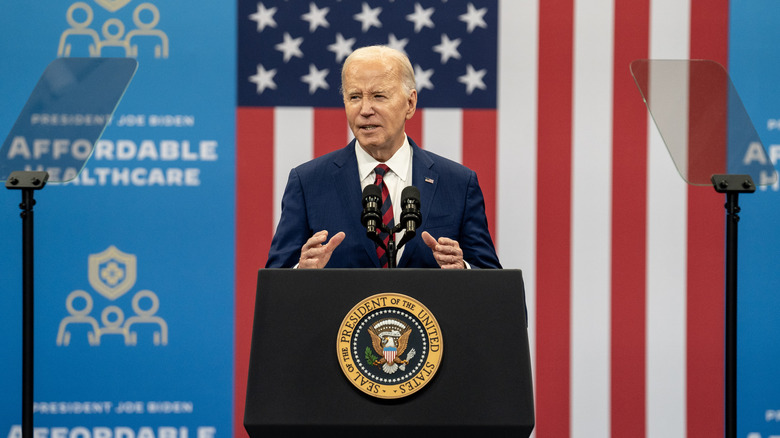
{"type": "Point", "coordinates": [389, 345]}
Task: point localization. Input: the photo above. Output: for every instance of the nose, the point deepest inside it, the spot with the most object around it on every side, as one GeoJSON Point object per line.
{"type": "Point", "coordinates": [366, 107]}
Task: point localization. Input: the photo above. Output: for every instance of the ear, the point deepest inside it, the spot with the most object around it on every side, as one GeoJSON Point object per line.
{"type": "Point", "coordinates": [412, 104]}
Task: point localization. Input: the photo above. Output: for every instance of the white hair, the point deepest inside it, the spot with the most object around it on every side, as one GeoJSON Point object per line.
{"type": "Point", "coordinates": [400, 60]}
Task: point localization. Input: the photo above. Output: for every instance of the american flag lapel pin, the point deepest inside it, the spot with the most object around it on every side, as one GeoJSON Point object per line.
{"type": "Point", "coordinates": [429, 180]}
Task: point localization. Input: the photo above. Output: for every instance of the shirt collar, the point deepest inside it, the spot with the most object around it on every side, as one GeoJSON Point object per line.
{"type": "Point", "coordinates": [398, 163]}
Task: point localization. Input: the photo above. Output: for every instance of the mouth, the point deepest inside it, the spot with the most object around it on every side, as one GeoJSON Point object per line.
{"type": "Point", "coordinates": [369, 127]}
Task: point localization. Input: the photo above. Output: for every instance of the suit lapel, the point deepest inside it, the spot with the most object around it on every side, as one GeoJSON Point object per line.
{"type": "Point", "coordinates": [426, 180]}
{"type": "Point", "coordinates": [347, 184]}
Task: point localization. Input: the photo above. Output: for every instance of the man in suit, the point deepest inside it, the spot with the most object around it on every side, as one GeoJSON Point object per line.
{"type": "Point", "coordinates": [323, 197]}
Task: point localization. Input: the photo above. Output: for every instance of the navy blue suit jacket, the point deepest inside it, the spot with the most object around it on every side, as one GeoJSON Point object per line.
{"type": "Point", "coordinates": [325, 194]}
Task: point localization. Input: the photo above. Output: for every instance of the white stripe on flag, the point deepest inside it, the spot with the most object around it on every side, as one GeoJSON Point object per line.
{"type": "Point", "coordinates": [666, 296]}
{"type": "Point", "coordinates": [442, 132]}
{"type": "Point", "coordinates": [666, 237]}
{"type": "Point", "coordinates": [515, 235]}
{"type": "Point", "coordinates": [591, 204]}
{"type": "Point", "coordinates": [293, 145]}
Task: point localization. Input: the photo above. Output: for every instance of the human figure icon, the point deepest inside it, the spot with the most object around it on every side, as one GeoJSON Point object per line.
{"type": "Point", "coordinates": [146, 30]}
{"type": "Point", "coordinates": [147, 316]}
{"type": "Point", "coordinates": [78, 316]}
{"type": "Point", "coordinates": [112, 318]}
{"type": "Point", "coordinates": [79, 34]}
{"type": "Point", "coordinates": [113, 31]}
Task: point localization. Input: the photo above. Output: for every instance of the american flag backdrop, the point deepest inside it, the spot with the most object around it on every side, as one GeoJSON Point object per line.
{"type": "Point", "coordinates": [623, 261]}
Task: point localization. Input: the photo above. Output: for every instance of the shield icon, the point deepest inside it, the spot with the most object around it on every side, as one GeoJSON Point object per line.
{"type": "Point", "coordinates": [112, 272]}
{"type": "Point", "coordinates": [112, 5]}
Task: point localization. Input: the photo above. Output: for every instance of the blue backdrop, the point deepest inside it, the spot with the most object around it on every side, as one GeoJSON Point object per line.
{"type": "Point", "coordinates": [753, 66]}
{"type": "Point", "coordinates": [134, 261]}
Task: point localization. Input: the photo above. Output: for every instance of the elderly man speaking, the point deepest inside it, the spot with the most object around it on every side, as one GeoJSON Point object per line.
{"type": "Point", "coordinates": [323, 196]}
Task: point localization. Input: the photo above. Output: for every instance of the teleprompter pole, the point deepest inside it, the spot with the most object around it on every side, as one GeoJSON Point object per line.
{"type": "Point", "coordinates": [27, 182]}
{"type": "Point", "coordinates": [732, 186]}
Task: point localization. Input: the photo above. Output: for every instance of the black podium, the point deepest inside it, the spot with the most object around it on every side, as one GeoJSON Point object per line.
{"type": "Point", "coordinates": [483, 384]}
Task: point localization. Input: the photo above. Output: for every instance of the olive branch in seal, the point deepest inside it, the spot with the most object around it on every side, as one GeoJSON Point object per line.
{"type": "Point", "coordinates": [370, 357]}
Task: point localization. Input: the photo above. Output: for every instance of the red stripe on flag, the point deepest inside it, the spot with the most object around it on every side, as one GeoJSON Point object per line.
{"type": "Point", "coordinates": [705, 314]}
{"type": "Point", "coordinates": [706, 310]}
{"type": "Point", "coordinates": [254, 229]}
{"type": "Point", "coordinates": [629, 224]}
{"type": "Point", "coordinates": [553, 247]}
{"type": "Point", "coordinates": [480, 155]}
{"type": "Point", "coordinates": [330, 130]}
{"type": "Point", "coordinates": [413, 127]}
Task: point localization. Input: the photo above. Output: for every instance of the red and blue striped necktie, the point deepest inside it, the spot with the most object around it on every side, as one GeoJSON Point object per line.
{"type": "Point", "coordinates": [387, 212]}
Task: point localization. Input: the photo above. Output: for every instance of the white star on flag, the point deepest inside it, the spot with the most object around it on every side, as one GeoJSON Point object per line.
{"type": "Point", "coordinates": [264, 17]}
{"type": "Point", "coordinates": [473, 79]}
{"type": "Point", "coordinates": [448, 48]}
{"type": "Point", "coordinates": [340, 26]}
{"type": "Point", "coordinates": [474, 18]}
{"type": "Point", "coordinates": [368, 17]}
{"type": "Point", "coordinates": [290, 47]}
{"type": "Point", "coordinates": [342, 47]}
{"type": "Point", "coordinates": [316, 79]}
{"type": "Point", "coordinates": [397, 44]}
{"type": "Point", "coordinates": [316, 17]}
{"type": "Point", "coordinates": [423, 77]}
{"type": "Point", "coordinates": [264, 79]}
{"type": "Point", "coordinates": [421, 17]}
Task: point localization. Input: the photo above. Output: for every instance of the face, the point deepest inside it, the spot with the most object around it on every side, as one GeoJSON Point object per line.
{"type": "Point", "coordinates": [377, 106]}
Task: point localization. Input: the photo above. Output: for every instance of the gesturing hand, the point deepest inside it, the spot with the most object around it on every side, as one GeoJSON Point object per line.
{"type": "Point", "coordinates": [315, 254]}
{"type": "Point", "coordinates": [446, 251]}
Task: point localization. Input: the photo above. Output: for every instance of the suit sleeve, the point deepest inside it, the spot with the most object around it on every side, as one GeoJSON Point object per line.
{"type": "Point", "coordinates": [476, 243]}
{"type": "Point", "coordinates": [293, 229]}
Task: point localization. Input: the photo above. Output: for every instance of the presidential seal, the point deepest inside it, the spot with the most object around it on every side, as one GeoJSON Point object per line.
{"type": "Point", "coordinates": [389, 345]}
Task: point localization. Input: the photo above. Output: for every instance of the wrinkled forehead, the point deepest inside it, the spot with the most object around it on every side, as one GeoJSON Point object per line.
{"type": "Point", "coordinates": [371, 74]}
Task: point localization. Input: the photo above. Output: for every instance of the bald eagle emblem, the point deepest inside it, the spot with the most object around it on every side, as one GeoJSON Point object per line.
{"type": "Point", "coordinates": [389, 338]}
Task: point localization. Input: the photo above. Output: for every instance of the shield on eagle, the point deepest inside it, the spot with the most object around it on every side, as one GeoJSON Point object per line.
{"type": "Point", "coordinates": [389, 353]}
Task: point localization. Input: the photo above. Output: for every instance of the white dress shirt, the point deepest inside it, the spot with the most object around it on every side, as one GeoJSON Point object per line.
{"type": "Point", "coordinates": [397, 178]}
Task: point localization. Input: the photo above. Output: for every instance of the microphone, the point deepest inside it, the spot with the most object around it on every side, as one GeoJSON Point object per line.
{"type": "Point", "coordinates": [371, 217]}
{"type": "Point", "coordinates": [410, 213]}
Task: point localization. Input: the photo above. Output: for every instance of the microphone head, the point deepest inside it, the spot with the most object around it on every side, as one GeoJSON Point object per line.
{"type": "Point", "coordinates": [410, 214]}
{"type": "Point", "coordinates": [371, 217]}
{"type": "Point", "coordinates": [410, 193]}
{"type": "Point", "coordinates": [371, 191]}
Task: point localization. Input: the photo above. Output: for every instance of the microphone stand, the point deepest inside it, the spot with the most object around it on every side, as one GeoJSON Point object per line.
{"type": "Point", "coordinates": [391, 248]}
{"type": "Point", "coordinates": [411, 217]}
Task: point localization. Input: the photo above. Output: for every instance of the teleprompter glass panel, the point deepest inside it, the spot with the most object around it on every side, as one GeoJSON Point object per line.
{"type": "Point", "coordinates": [702, 120]}
{"type": "Point", "coordinates": [65, 116]}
